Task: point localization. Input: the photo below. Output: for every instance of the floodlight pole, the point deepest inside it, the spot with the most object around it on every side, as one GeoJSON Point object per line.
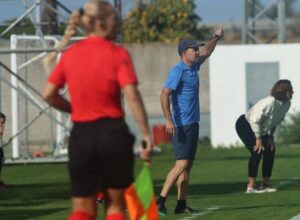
{"type": "Point", "coordinates": [118, 7]}
{"type": "Point", "coordinates": [38, 18]}
{"type": "Point", "coordinates": [245, 23]}
{"type": "Point", "coordinates": [281, 21]}
{"type": "Point", "coordinates": [253, 11]}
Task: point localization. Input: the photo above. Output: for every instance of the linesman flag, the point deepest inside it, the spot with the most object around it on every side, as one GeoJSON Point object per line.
{"type": "Point", "coordinates": [140, 197]}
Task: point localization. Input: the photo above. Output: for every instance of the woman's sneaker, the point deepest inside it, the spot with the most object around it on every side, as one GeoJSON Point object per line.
{"type": "Point", "coordinates": [268, 189]}
{"type": "Point", "coordinates": [251, 190]}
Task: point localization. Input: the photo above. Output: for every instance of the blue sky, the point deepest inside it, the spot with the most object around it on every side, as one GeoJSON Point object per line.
{"type": "Point", "coordinates": [211, 11]}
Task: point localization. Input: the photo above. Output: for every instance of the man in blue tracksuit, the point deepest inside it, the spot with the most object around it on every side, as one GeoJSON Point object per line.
{"type": "Point", "coordinates": [182, 85]}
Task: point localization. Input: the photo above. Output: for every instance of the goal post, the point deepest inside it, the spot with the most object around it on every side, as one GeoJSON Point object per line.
{"type": "Point", "coordinates": [36, 78]}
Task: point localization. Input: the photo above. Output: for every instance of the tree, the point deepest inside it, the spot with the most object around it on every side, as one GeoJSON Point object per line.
{"type": "Point", "coordinates": [23, 27]}
{"type": "Point", "coordinates": [289, 131]}
{"type": "Point", "coordinates": [165, 21]}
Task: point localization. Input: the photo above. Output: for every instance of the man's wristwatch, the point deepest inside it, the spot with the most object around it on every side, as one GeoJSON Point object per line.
{"type": "Point", "coordinates": [216, 36]}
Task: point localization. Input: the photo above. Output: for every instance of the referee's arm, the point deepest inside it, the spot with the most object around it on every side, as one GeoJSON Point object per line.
{"type": "Point", "coordinates": [206, 51]}
{"type": "Point", "coordinates": [137, 107]}
{"type": "Point", "coordinates": [51, 95]}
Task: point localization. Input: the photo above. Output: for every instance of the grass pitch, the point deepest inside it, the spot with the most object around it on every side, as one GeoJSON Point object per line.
{"type": "Point", "coordinates": [217, 186]}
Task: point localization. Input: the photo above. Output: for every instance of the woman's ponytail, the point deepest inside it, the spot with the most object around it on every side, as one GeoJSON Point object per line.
{"type": "Point", "coordinates": [50, 60]}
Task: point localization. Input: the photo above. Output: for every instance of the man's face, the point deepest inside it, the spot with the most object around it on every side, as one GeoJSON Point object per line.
{"type": "Point", "coordinates": [192, 54]}
{"type": "Point", "coordinates": [2, 123]}
{"type": "Point", "coordinates": [290, 93]}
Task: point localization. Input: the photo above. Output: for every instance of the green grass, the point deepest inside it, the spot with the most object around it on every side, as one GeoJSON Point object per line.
{"type": "Point", "coordinates": [218, 179]}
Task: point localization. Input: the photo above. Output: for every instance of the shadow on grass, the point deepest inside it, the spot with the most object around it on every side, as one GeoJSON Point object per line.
{"type": "Point", "coordinates": [287, 156]}
{"type": "Point", "coordinates": [14, 214]}
{"type": "Point", "coordinates": [206, 189]}
{"type": "Point", "coordinates": [17, 201]}
{"type": "Point", "coordinates": [33, 194]}
{"type": "Point", "coordinates": [246, 157]}
{"type": "Point", "coordinates": [223, 188]}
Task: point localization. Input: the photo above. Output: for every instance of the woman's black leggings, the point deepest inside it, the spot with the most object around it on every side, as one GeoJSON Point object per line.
{"type": "Point", "coordinates": [1, 159]}
{"type": "Point", "coordinates": [246, 134]}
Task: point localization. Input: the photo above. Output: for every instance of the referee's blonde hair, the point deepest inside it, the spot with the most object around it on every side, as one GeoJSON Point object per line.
{"type": "Point", "coordinates": [85, 18]}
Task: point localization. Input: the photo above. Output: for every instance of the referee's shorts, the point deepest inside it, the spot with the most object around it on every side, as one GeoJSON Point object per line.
{"type": "Point", "coordinates": [100, 156]}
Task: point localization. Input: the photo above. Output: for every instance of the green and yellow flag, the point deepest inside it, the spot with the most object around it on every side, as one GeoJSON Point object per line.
{"type": "Point", "coordinates": [140, 197]}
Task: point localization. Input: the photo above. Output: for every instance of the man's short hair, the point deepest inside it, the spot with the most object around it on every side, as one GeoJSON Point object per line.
{"type": "Point", "coordinates": [3, 116]}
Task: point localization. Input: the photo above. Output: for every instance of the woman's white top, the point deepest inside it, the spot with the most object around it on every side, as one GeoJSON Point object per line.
{"type": "Point", "coordinates": [266, 114]}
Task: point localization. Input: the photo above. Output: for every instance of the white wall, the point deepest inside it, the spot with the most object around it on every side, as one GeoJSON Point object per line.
{"type": "Point", "coordinates": [228, 83]}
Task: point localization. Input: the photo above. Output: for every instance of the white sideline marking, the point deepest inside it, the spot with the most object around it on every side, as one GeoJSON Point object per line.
{"type": "Point", "coordinates": [287, 182]}
{"type": "Point", "coordinates": [214, 208]}
{"type": "Point", "coordinates": [284, 183]}
{"type": "Point", "coordinates": [206, 211]}
{"type": "Point", "coordinates": [296, 217]}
